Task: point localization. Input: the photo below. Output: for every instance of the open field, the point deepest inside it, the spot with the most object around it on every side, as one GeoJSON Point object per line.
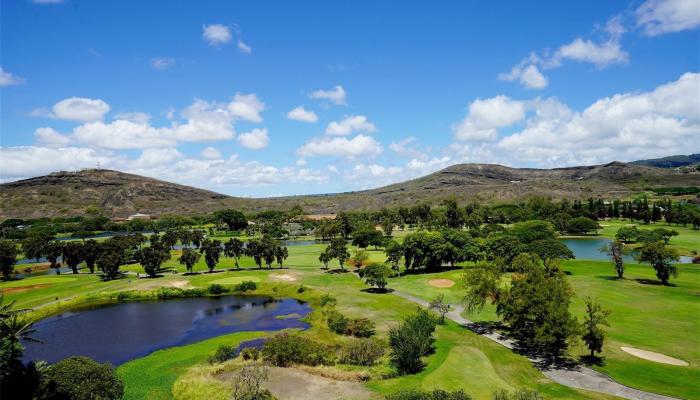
{"type": "Point", "coordinates": [645, 316]}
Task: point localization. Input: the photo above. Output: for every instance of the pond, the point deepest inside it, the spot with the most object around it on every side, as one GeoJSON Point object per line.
{"type": "Point", "coordinates": [122, 332]}
{"type": "Point", "coordinates": [589, 249]}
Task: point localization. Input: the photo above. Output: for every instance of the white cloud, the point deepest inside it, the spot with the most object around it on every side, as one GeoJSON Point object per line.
{"type": "Point", "coordinates": [657, 17]}
{"type": "Point", "coordinates": [155, 157]}
{"type": "Point", "coordinates": [359, 146]}
{"type": "Point", "coordinates": [26, 161]}
{"type": "Point", "coordinates": [8, 79]}
{"type": "Point", "coordinates": [162, 63]}
{"type": "Point", "coordinates": [365, 176]}
{"type": "Point", "coordinates": [244, 48]}
{"type": "Point", "coordinates": [409, 147]}
{"type": "Point", "coordinates": [49, 137]}
{"type": "Point", "coordinates": [302, 115]}
{"type": "Point", "coordinates": [216, 34]}
{"type": "Point", "coordinates": [121, 134]}
{"type": "Point", "coordinates": [211, 153]}
{"type": "Point", "coordinates": [336, 95]}
{"type": "Point", "coordinates": [486, 116]}
{"type": "Point", "coordinates": [256, 139]}
{"type": "Point", "coordinates": [246, 107]}
{"type": "Point", "coordinates": [599, 54]}
{"type": "Point", "coordinates": [350, 125]}
{"type": "Point", "coordinates": [138, 117]}
{"type": "Point", "coordinates": [80, 109]}
{"type": "Point", "coordinates": [527, 73]}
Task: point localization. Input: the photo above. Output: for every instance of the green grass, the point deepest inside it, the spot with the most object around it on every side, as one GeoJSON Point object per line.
{"type": "Point", "coordinates": [153, 376]}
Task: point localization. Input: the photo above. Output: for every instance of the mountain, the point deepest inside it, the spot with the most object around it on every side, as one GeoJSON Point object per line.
{"type": "Point", "coordinates": [671, 161]}
{"type": "Point", "coordinates": [121, 194]}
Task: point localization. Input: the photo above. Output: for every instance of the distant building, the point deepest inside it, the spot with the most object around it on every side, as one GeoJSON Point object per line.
{"type": "Point", "coordinates": [139, 216]}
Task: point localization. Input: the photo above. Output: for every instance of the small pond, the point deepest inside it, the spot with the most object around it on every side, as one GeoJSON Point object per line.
{"type": "Point", "coordinates": [589, 249]}
{"type": "Point", "coordinates": [122, 332]}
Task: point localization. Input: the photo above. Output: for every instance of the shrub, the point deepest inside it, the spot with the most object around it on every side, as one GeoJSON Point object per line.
{"type": "Point", "coordinates": [410, 341]}
{"type": "Point", "coordinates": [414, 394]}
{"type": "Point", "coordinates": [225, 352]}
{"type": "Point", "coordinates": [245, 286]}
{"type": "Point", "coordinates": [250, 353]}
{"type": "Point", "coordinates": [301, 289]}
{"type": "Point", "coordinates": [327, 300]}
{"type": "Point", "coordinates": [285, 349]}
{"type": "Point", "coordinates": [362, 352]}
{"type": "Point", "coordinates": [522, 394]}
{"type": "Point", "coordinates": [337, 322]}
{"type": "Point", "coordinates": [81, 378]}
{"type": "Point", "coordinates": [215, 288]}
{"type": "Point", "coordinates": [361, 327]}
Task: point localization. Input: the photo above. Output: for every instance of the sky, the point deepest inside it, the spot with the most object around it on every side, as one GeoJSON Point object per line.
{"type": "Point", "coordinates": [271, 98]}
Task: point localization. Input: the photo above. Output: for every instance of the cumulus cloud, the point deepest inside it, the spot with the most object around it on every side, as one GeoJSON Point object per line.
{"type": "Point", "coordinates": [359, 146]}
{"type": "Point", "coordinates": [216, 34]}
{"type": "Point", "coordinates": [302, 115]}
{"type": "Point", "coordinates": [121, 135]}
{"type": "Point", "coordinates": [162, 63]}
{"type": "Point", "coordinates": [256, 139]}
{"type": "Point", "coordinates": [246, 107]}
{"type": "Point", "coordinates": [154, 157]}
{"type": "Point", "coordinates": [336, 95]}
{"type": "Point", "coordinates": [365, 176]}
{"type": "Point", "coordinates": [527, 73]}
{"type": "Point", "coordinates": [211, 153]}
{"type": "Point", "coordinates": [599, 54]}
{"type": "Point", "coordinates": [657, 17]}
{"type": "Point", "coordinates": [486, 116]}
{"type": "Point", "coordinates": [8, 79]}
{"type": "Point", "coordinates": [350, 125]}
{"type": "Point", "coordinates": [138, 117]}
{"type": "Point", "coordinates": [26, 161]}
{"type": "Point", "coordinates": [80, 109]}
{"type": "Point", "coordinates": [49, 137]}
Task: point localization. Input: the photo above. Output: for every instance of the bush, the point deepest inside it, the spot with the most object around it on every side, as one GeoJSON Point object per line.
{"type": "Point", "coordinates": [361, 327]}
{"type": "Point", "coordinates": [410, 341]}
{"type": "Point", "coordinates": [414, 394]}
{"type": "Point", "coordinates": [362, 352]}
{"type": "Point", "coordinates": [327, 300]}
{"type": "Point", "coordinates": [337, 322]}
{"type": "Point", "coordinates": [215, 288]}
{"type": "Point", "coordinates": [522, 394]}
{"type": "Point", "coordinates": [250, 353]}
{"type": "Point", "coordinates": [225, 352]}
{"type": "Point", "coordinates": [301, 289]}
{"type": "Point", "coordinates": [245, 286]}
{"type": "Point", "coordinates": [81, 378]}
{"type": "Point", "coordinates": [285, 349]}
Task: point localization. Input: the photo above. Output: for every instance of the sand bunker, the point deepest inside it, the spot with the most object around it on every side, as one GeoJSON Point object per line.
{"type": "Point", "coordinates": [180, 284]}
{"type": "Point", "coordinates": [656, 357]}
{"type": "Point", "coordinates": [283, 277]}
{"type": "Point", "coordinates": [441, 283]}
{"type": "Point", "coordinates": [294, 384]}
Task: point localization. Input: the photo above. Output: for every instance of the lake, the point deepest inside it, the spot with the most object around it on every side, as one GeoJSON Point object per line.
{"type": "Point", "coordinates": [122, 332]}
{"type": "Point", "coordinates": [589, 249]}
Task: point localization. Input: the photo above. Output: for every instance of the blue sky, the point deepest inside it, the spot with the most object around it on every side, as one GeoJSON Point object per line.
{"type": "Point", "coordinates": [202, 93]}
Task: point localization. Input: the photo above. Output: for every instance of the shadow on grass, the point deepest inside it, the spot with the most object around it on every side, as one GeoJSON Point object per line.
{"type": "Point", "coordinates": [430, 271]}
{"type": "Point", "coordinates": [610, 278]}
{"type": "Point", "coordinates": [338, 271]}
{"type": "Point", "coordinates": [377, 290]}
{"type": "Point", "coordinates": [653, 282]}
{"type": "Point", "coordinates": [592, 360]}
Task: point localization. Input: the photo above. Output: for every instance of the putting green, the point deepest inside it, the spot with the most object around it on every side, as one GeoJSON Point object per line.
{"type": "Point", "coordinates": [234, 280]}
{"type": "Point", "coordinates": [37, 281]}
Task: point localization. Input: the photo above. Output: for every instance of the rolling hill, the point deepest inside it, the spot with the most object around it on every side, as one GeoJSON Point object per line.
{"type": "Point", "coordinates": [671, 161]}
{"type": "Point", "coordinates": [122, 194]}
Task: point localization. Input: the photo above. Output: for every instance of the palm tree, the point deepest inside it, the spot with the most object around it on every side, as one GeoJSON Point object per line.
{"type": "Point", "coordinates": [17, 328]}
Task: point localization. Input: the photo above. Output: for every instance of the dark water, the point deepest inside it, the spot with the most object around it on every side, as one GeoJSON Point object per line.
{"type": "Point", "coordinates": [122, 332]}
{"type": "Point", "coordinates": [589, 249]}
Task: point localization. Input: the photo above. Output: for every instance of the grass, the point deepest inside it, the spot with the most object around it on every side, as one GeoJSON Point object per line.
{"type": "Point", "coordinates": [153, 376]}
{"type": "Point", "coordinates": [651, 317]}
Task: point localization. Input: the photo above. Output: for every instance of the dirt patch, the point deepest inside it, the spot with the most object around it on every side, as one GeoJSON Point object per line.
{"type": "Point", "coordinates": [441, 283]}
{"type": "Point", "coordinates": [294, 384]}
{"type": "Point", "coordinates": [283, 277]}
{"type": "Point", "coordinates": [652, 356]}
{"type": "Point", "coordinates": [22, 289]}
{"type": "Point", "coordinates": [181, 284]}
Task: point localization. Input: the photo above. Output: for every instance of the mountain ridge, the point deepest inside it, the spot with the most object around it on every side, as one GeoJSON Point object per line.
{"type": "Point", "coordinates": [120, 194]}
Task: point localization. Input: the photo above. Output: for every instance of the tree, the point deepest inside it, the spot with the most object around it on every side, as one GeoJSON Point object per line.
{"type": "Point", "coordinates": [344, 224]}
{"type": "Point", "coordinates": [550, 250]}
{"type": "Point", "coordinates": [53, 250]}
{"type": "Point", "coordinates": [235, 219]}
{"type": "Point", "coordinates": [254, 249]}
{"type": "Point", "coordinates": [281, 254]}
{"type": "Point", "coordinates": [482, 283]}
{"type": "Point", "coordinates": [503, 246]}
{"type": "Point", "coordinates": [394, 253]}
{"type": "Point", "coordinates": [664, 234]}
{"type": "Point", "coordinates": [627, 234]}
{"type": "Point", "coordinates": [453, 215]}
{"type": "Point", "coordinates": [387, 225]}
{"type": "Point", "coordinates": [593, 335]}
{"type": "Point", "coordinates": [108, 262]}
{"type": "Point", "coordinates": [660, 257]}
{"type": "Point", "coordinates": [325, 257]}
{"type": "Point", "coordinates": [426, 249]}
{"type": "Point", "coordinates": [91, 250]}
{"type": "Point", "coordinates": [8, 257]}
{"type": "Point", "coordinates": [73, 255]}
{"type": "Point", "coordinates": [151, 258]}
{"type": "Point", "coordinates": [616, 250]}
{"type": "Point", "coordinates": [170, 238]}
{"type": "Point", "coordinates": [376, 275]}
{"type": "Point", "coordinates": [327, 229]}
{"type": "Point", "coordinates": [235, 249]}
{"type": "Point", "coordinates": [410, 341]}
{"type": "Point", "coordinates": [442, 308]}
{"type": "Point", "coordinates": [359, 258]}
{"type": "Point", "coordinates": [81, 378]}
{"type": "Point", "coordinates": [33, 245]}
{"type": "Point", "coordinates": [212, 252]}
{"type": "Point", "coordinates": [582, 225]}
{"type": "Point", "coordinates": [529, 231]}
{"type": "Point", "coordinates": [189, 258]}
{"type": "Point", "coordinates": [247, 383]}
{"type": "Point", "coordinates": [365, 236]}
{"type": "Point", "coordinates": [338, 249]}
{"type": "Point", "coordinates": [268, 248]}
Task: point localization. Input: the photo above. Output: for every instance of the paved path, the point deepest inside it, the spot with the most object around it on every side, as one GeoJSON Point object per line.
{"type": "Point", "coordinates": [579, 377]}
